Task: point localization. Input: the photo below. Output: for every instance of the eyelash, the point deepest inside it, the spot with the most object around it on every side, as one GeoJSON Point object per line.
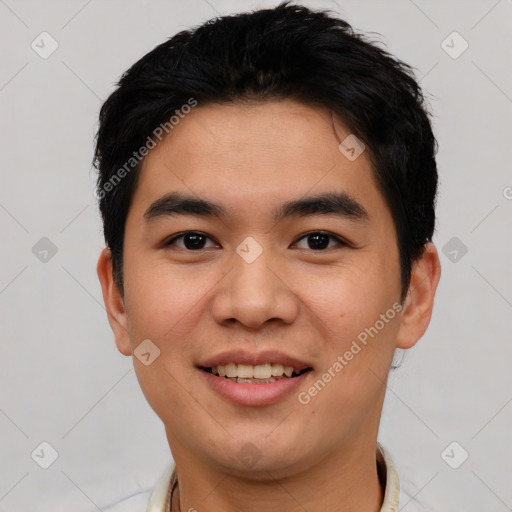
{"type": "Point", "coordinates": [339, 240]}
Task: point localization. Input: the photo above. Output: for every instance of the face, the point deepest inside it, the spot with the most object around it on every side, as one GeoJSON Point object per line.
{"type": "Point", "coordinates": [254, 244]}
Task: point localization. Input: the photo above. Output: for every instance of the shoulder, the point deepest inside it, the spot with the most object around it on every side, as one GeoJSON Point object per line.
{"type": "Point", "coordinates": [135, 503]}
{"type": "Point", "coordinates": [152, 500]}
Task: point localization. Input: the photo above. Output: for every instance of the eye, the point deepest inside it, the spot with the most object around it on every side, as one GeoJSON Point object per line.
{"type": "Point", "coordinates": [191, 240]}
{"type": "Point", "coordinates": [196, 241]}
{"type": "Point", "coordinates": [319, 240]}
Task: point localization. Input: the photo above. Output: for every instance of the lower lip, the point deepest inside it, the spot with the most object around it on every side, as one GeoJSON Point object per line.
{"type": "Point", "coordinates": [254, 394]}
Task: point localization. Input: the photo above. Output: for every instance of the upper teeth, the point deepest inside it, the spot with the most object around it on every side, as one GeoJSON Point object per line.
{"type": "Point", "coordinates": [248, 371]}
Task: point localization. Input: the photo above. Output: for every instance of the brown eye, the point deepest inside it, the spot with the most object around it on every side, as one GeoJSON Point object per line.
{"type": "Point", "coordinates": [319, 240]}
{"type": "Point", "coordinates": [191, 240]}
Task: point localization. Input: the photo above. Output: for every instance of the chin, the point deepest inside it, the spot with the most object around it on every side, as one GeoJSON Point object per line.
{"type": "Point", "coordinates": [256, 459]}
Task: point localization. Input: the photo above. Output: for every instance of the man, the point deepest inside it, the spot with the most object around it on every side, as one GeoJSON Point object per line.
{"type": "Point", "coordinates": [267, 185]}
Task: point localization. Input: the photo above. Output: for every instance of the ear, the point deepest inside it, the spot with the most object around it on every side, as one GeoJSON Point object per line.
{"type": "Point", "coordinates": [419, 302]}
{"type": "Point", "coordinates": [114, 302]}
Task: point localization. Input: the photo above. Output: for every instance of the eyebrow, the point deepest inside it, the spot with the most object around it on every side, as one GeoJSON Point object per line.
{"type": "Point", "coordinates": [339, 204]}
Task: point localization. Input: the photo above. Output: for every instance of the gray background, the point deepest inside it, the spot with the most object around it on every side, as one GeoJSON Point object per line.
{"type": "Point", "coordinates": [62, 380]}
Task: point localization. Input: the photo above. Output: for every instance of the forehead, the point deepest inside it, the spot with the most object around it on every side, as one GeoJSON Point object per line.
{"type": "Point", "coordinates": [259, 154]}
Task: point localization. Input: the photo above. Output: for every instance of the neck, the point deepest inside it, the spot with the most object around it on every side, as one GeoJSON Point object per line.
{"type": "Point", "coordinates": [345, 481]}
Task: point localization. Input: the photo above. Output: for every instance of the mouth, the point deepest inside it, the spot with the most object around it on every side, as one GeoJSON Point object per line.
{"type": "Point", "coordinates": [255, 374]}
{"type": "Point", "coordinates": [252, 379]}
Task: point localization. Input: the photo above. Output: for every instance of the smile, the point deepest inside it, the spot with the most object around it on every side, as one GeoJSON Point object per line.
{"type": "Point", "coordinates": [259, 385]}
{"type": "Point", "coordinates": [255, 374]}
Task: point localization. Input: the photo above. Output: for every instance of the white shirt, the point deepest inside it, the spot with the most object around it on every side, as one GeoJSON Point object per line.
{"type": "Point", "coordinates": [160, 499]}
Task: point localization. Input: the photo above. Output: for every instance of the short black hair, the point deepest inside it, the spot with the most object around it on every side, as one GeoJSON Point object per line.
{"type": "Point", "coordinates": [289, 51]}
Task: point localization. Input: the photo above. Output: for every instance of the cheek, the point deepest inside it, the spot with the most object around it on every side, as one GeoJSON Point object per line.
{"type": "Point", "coordinates": [357, 311]}
{"type": "Point", "coordinates": [352, 296]}
{"type": "Point", "coordinates": [357, 358]}
{"type": "Point", "coordinates": [163, 303]}
{"type": "Point", "coordinates": [165, 309]}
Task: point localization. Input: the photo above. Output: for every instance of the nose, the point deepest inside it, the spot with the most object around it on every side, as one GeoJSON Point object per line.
{"type": "Point", "coordinates": [255, 293]}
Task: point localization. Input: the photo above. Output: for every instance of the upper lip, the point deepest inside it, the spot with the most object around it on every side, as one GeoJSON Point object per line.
{"type": "Point", "coordinates": [244, 357]}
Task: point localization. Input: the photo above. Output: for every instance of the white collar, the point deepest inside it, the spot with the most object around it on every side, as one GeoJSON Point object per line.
{"type": "Point", "coordinates": [159, 501]}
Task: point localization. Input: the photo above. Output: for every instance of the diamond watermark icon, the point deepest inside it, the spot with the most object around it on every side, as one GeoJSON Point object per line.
{"type": "Point", "coordinates": [146, 352]}
{"type": "Point", "coordinates": [44, 455]}
{"type": "Point", "coordinates": [454, 249]}
{"type": "Point", "coordinates": [454, 45]}
{"type": "Point", "coordinates": [351, 147]}
{"type": "Point", "coordinates": [249, 250]}
{"type": "Point", "coordinates": [44, 45]}
{"type": "Point", "coordinates": [454, 455]}
{"type": "Point", "coordinates": [249, 454]}
{"type": "Point", "coordinates": [44, 249]}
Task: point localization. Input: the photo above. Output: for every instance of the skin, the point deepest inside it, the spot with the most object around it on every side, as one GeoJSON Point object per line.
{"type": "Point", "coordinates": [309, 303]}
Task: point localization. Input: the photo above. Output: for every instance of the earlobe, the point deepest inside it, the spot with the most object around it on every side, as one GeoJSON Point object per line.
{"type": "Point", "coordinates": [419, 303]}
{"type": "Point", "coordinates": [114, 303]}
